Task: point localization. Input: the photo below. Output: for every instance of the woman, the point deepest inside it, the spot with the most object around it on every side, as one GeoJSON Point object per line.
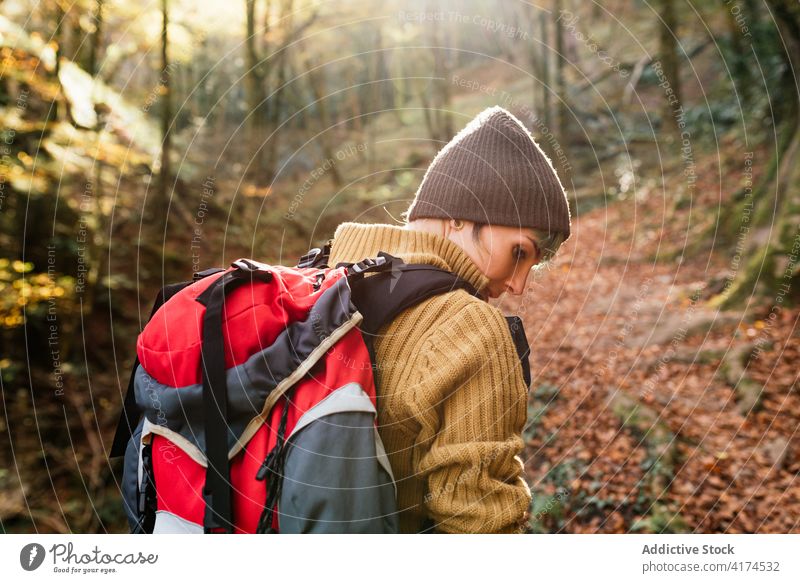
{"type": "Point", "coordinates": [452, 399]}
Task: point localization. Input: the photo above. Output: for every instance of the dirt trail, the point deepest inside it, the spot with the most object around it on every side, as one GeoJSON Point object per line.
{"type": "Point", "coordinates": [646, 410]}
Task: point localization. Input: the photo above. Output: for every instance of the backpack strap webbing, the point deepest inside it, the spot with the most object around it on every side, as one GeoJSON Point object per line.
{"type": "Point", "coordinates": [272, 471]}
{"type": "Point", "coordinates": [147, 501]}
{"type": "Point", "coordinates": [130, 414]}
{"type": "Point", "coordinates": [217, 490]}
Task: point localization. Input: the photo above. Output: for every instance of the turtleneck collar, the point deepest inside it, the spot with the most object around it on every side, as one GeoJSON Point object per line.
{"type": "Point", "coordinates": [353, 242]}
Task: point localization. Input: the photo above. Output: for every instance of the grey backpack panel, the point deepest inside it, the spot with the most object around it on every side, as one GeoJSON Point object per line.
{"type": "Point", "coordinates": [332, 483]}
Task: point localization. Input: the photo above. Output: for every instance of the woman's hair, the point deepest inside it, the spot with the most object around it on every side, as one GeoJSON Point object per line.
{"type": "Point", "coordinates": [548, 242]}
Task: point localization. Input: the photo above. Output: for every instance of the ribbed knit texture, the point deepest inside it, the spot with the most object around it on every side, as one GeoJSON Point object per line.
{"type": "Point", "coordinates": [451, 396]}
{"type": "Point", "coordinates": [494, 172]}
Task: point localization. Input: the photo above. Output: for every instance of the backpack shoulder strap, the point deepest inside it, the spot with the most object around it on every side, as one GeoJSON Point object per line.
{"type": "Point", "coordinates": [129, 416]}
{"type": "Point", "coordinates": [398, 286]}
{"type": "Point", "coordinates": [517, 329]}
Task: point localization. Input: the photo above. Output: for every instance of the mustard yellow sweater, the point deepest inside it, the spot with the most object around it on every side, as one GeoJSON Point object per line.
{"type": "Point", "coordinates": [451, 396]}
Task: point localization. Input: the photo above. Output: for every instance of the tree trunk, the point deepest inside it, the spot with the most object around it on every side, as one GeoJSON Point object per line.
{"type": "Point", "coordinates": [166, 119]}
{"type": "Point", "coordinates": [96, 42]}
{"type": "Point", "coordinates": [255, 79]}
{"type": "Point", "coordinates": [775, 266]}
{"type": "Point", "coordinates": [544, 81]}
{"type": "Point", "coordinates": [561, 128]}
{"type": "Point", "coordinates": [742, 79]}
{"type": "Point", "coordinates": [58, 35]}
{"type": "Point", "coordinates": [561, 87]}
{"type": "Point", "coordinates": [438, 115]}
{"type": "Point", "coordinates": [670, 63]}
{"type": "Point", "coordinates": [316, 81]}
{"type": "Point", "coordinates": [354, 105]}
{"type": "Point", "coordinates": [445, 94]}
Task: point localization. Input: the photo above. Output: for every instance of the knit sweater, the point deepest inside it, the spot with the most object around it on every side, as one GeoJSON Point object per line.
{"type": "Point", "coordinates": [451, 394]}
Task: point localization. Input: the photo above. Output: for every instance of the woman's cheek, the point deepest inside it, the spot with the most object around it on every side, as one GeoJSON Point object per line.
{"type": "Point", "coordinates": [504, 268]}
{"type": "Point", "coordinates": [499, 274]}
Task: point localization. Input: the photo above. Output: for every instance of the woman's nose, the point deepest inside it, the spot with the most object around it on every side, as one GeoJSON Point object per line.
{"type": "Point", "coordinates": [516, 285]}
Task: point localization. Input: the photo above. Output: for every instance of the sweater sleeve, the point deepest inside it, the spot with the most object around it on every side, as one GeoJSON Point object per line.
{"type": "Point", "coordinates": [472, 400]}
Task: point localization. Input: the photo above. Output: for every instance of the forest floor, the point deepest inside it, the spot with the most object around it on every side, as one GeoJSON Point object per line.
{"type": "Point", "coordinates": [649, 411]}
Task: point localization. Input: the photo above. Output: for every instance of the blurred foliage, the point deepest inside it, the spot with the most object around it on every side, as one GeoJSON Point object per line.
{"type": "Point", "coordinates": [22, 291]}
{"type": "Point", "coordinates": [337, 120]}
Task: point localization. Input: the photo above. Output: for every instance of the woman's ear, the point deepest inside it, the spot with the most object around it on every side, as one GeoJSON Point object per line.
{"type": "Point", "coordinates": [450, 231]}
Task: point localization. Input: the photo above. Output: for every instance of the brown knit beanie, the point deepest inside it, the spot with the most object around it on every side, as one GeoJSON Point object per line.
{"type": "Point", "coordinates": [493, 172]}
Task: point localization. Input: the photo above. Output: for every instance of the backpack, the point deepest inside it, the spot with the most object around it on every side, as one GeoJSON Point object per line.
{"type": "Point", "coordinates": [252, 402]}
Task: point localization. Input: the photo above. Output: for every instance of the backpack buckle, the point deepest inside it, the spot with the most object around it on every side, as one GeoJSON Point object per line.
{"type": "Point", "coordinates": [318, 279]}
{"type": "Point", "coordinates": [309, 258]}
{"type": "Point", "coordinates": [245, 265]}
{"type": "Point", "coordinates": [316, 257]}
{"type": "Point", "coordinates": [256, 270]}
{"type": "Point", "coordinates": [366, 265]}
